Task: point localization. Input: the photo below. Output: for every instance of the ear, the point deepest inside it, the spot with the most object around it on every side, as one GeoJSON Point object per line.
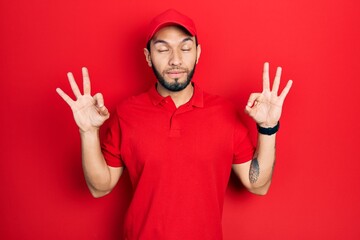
{"type": "Point", "coordinates": [147, 56]}
{"type": "Point", "coordinates": [198, 53]}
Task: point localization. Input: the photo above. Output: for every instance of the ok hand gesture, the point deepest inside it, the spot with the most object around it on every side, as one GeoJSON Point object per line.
{"type": "Point", "coordinates": [265, 108]}
{"type": "Point", "coordinates": [89, 111]}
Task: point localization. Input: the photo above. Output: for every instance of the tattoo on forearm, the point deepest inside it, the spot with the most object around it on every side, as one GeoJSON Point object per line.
{"type": "Point", "coordinates": [254, 171]}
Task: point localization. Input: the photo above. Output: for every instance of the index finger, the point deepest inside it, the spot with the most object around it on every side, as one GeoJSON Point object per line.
{"type": "Point", "coordinates": [286, 90]}
{"type": "Point", "coordinates": [266, 78]}
{"type": "Point", "coordinates": [86, 81]}
{"type": "Point", "coordinates": [64, 96]}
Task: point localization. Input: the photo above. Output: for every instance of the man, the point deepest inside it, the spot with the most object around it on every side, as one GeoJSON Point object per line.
{"type": "Point", "coordinates": [178, 143]}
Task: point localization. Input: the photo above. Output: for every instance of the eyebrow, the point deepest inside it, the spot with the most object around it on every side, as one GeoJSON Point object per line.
{"type": "Point", "coordinates": [165, 42]}
{"type": "Point", "coordinates": [187, 39]}
{"type": "Point", "coordinates": [159, 41]}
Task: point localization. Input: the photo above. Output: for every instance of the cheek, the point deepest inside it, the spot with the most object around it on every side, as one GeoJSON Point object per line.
{"type": "Point", "coordinates": [159, 63]}
{"type": "Point", "coordinates": [190, 60]}
{"type": "Point", "coordinates": [190, 57]}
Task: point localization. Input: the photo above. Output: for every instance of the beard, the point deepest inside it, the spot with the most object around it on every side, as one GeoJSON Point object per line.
{"type": "Point", "coordinates": [175, 86]}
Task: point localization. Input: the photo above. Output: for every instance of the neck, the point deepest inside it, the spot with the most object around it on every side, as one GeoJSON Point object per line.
{"type": "Point", "coordinates": [179, 98]}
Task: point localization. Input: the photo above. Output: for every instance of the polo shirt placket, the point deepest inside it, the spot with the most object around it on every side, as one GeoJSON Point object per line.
{"type": "Point", "coordinates": [169, 106]}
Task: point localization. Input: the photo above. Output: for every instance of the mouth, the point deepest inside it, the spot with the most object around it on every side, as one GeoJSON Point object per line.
{"type": "Point", "coordinates": [175, 73]}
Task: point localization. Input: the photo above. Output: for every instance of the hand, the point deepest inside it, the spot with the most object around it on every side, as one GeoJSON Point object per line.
{"type": "Point", "coordinates": [265, 108]}
{"type": "Point", "coordinates": [89, 111]}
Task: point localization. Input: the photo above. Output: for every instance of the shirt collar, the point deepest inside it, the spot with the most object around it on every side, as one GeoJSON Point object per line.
{"type": "Point", "coordinates": [197, 100]}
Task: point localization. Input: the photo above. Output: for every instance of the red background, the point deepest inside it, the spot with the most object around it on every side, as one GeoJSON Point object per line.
{"type": "Point", "coordinates": [315, 192]}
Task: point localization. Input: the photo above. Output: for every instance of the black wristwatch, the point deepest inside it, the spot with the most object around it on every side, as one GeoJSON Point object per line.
{"type": "Point", "coordinates": [268, 131]}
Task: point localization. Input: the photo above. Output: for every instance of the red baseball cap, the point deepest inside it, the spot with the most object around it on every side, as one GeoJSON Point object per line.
{"type": "Point", "coordinates": [168, 18]}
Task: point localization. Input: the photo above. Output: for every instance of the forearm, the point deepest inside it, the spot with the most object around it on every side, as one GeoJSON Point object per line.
{"type": "Point", "coordinates": [262, 165]}
{"type": "Point", "coordinates": [265, 108]}
{"type": "Point", "coordinates": [96, 171]}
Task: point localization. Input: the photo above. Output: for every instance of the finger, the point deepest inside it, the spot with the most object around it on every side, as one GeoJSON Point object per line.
{"type": "Point", "coordinates": [253, 97]}
{"type": "Point", "coordinates": [249, 111]}
{"type": "Point", "coordinates": [64, 96]}
{"type": "Point", "coordinates": [73, 85]}
{"type": "Point", "coordinates": [266, 79]}
{"type": "Point", "coordinates": [104, 111]}
{"type": "Point", "coordinates": [276, 83]}
{"type": "Point", "coordinates": [99, 100]}
{"type": "Point", "coordinates": [286, 90]}
{"type": "Point", "coordinates": [86, 81]}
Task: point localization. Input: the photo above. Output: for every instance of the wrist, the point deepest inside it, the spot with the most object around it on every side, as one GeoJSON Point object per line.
{"type": "Point", "coordinates": [267, 125]}
{"type": "Point", "coordinates": [268, 129]}
{"type": "Point", "coordinates": [90, 131]}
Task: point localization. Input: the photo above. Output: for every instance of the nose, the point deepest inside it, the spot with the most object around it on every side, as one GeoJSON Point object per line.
{"type": "Point", "coordinates": [175, 59]}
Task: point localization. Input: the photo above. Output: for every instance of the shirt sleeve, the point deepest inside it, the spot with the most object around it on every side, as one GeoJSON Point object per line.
{"type": "Point", "coordinates": [110, 146]}
{"type": "Point", "coordinates": [243, 147]}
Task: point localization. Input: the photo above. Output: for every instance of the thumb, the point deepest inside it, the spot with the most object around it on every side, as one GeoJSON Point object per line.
{"type": "Point", "coordinates": [99, 103]}
{"type": "Point", "coordinates": [253, 97]}
{"type": "Point", "coordinates": [249, 111]}
{"type": "Point", "coordinates": [104, 111]}
{"type": "Point", "coordinates": [99, 100]}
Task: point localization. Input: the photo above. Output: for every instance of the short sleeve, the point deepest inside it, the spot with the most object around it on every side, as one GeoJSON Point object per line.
{"type": "Point", "coordinates": [243, 147]}
{"type": "Point", "coordinates": [110, 145]}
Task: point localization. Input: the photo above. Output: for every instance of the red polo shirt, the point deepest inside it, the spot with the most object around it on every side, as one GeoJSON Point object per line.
{"type": "Point", "coordinates": [179, 161]}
